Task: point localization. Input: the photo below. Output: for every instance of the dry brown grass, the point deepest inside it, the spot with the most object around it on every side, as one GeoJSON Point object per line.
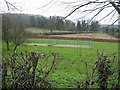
{"type": "Point", "coordinates": [90, 35]}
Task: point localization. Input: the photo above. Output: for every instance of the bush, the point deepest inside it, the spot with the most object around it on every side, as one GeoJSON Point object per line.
{"type": "Point", "coordinates": [104, 75]}
{"type": "Point", "coordinates": [28, 70]}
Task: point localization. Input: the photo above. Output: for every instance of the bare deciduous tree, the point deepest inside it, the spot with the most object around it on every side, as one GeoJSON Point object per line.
{"type": "Point", "coordinates": [95, 7]}
{"type": "Point", "coordinates": [13, 30]}
{"type": "Point", "coordinates": [6, 30]}
{"type": "Point", "coordinates": [11, 6]}
{"type": "Point", "coordinates": [87, 8]}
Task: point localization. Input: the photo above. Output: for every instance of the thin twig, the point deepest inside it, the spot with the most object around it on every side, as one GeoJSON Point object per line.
{"type": "Point", "coordinates": [10, 4]}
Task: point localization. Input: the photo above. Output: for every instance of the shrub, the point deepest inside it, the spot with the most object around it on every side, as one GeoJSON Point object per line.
{"type": "Point", "coordinates": [28, 70]}
{"type": "Point", "coordinates": [105, 73]}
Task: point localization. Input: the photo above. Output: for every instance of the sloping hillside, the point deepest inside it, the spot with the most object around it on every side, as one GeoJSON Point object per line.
{"type": "Point", "coordinates": [90, 35]}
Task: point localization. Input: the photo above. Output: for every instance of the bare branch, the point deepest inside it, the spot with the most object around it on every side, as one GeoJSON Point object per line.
{"type": "Point", "coordinates": [96, 8]}
{"type": "Point", "coordinates": [115, 6]}
{"type": "Point", "coordinates": [111, 24]}
{"type": "Point", "coordinates": [10, 5]}
{"type": "Point", "coordinates": [7, 5]}
{"type": "Point", "coordinates": [93, 10]}
{"type": "Point", "coordinates": [70, 2]}
{"type": "Point", "coordinates": [113, 14]}
{"type": "Point", "coordinates": [101, 8]}
{"type": "Point", "coordinates": [77, 9]}
{"type": "Point", "coordinates": [107, 15]}
{"type": "Point", "coordinates": [98, 13]}
{"type": "Point", "coordinates": [114, 22]}
{"type": "Point", "coordinates": [47, 4]}
{"type": "Point", "coordinates": [88, 3]}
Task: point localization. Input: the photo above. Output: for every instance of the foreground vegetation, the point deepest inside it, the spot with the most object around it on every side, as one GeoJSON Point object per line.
{"type": "Point", "coordinates": [72, 68]}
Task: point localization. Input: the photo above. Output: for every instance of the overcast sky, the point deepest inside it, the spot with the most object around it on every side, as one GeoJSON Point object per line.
{"type": "Point", "coordinates": [56, 8]}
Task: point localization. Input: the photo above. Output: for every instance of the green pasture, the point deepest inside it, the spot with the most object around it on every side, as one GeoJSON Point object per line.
{"type": "Point", "coordinates": [71, 69]}
{"type": "Point", "coordinates": [59, 41]}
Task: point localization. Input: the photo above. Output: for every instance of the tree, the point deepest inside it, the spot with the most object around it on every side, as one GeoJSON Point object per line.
{"type": "Point", "coordinates": [78, 25]}
{"type": "Point", "coordinates": [51, 23]}
{"type": "Point", "coordinates": [69, 25]}
{"type": "Point", "coordinates": [84, 25]}
{"type": "Point", "coordinates": [99, 7]}
{"type": "Point", "coordinates": [94, 27]}
{"type": "Point", "coordinates": [18, 32]}
{"type": "Point", "coordinates": [59, 24]}
{"type": "Point", "coordinates": [32, 21]}
{"type": "Point", "coordinates": [6, 30]}
{"type": "Point", "coordinates": [38, 22]}
{"type": "Point", "coordinates": [13, 30]}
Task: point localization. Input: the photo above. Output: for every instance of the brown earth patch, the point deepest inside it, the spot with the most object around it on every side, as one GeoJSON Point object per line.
{"type": "Point", "coordinates": [58, 45]}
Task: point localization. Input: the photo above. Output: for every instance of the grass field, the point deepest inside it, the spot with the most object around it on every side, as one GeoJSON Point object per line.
{"type": "Point", "coordinates": [58, 41]}
{"type": "Point", "coordinates": [71, 69]}
{"type": "Point", "coordinates": [39, 30]}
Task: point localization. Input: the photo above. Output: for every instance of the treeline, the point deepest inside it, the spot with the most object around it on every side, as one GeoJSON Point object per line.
{"type": "Point", "coordinates": [87, 26]}
{"type": "Point", "coordinates": [113, 31]}
{"type": "Point", "coordinates": [57, 23]}
{"type": "Point", "coordinates": [51, 23]}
